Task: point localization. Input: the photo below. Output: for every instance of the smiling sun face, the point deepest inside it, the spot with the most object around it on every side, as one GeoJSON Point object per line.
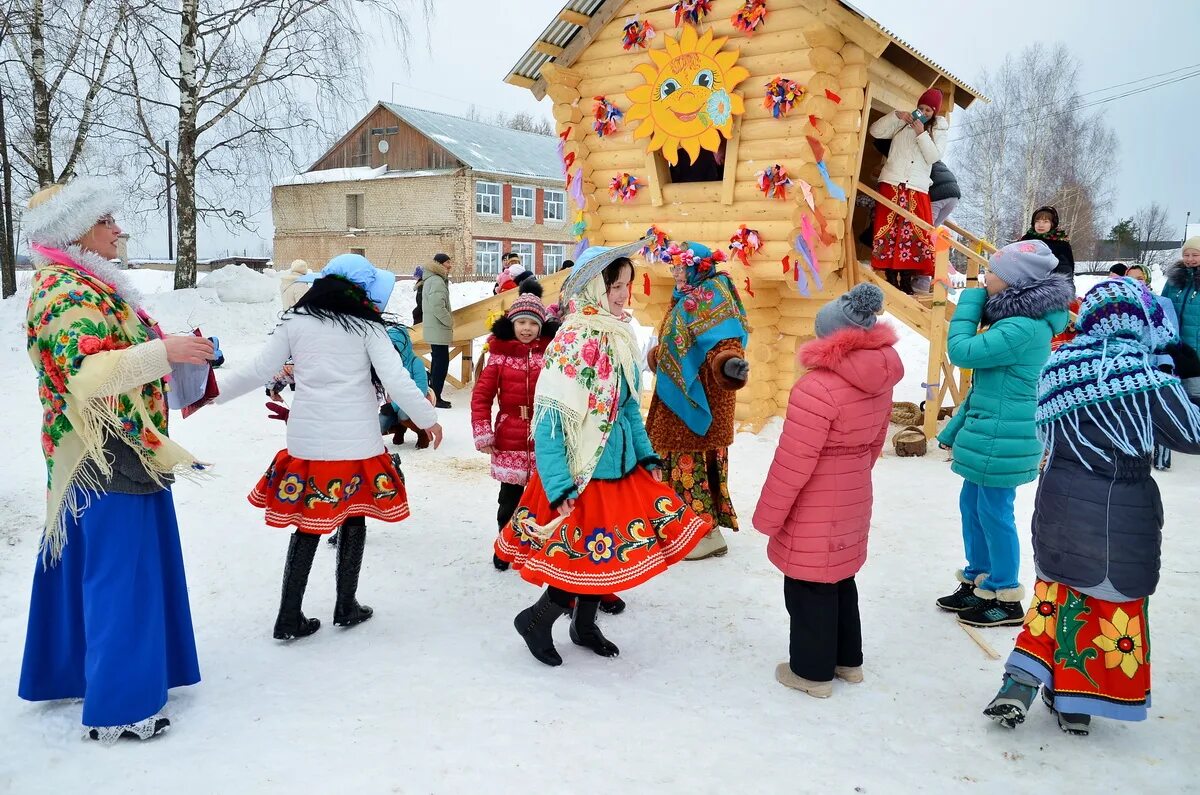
{"type": "Point", "coordinates": [686, 101]}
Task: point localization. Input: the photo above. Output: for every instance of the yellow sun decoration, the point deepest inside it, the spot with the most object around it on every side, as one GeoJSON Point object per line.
{"type": "Point", "coordinates": [687, 100]}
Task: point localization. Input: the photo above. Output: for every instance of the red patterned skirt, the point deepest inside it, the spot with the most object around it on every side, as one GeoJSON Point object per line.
{"type": "Point", "coordinates": [1094, 654]}
{"type": "Point", "coordinates": [898, 245]}
{"type": "Point", "coordinates": [317, 496]}
{"type": "Point", "coordinates": [621, 534]}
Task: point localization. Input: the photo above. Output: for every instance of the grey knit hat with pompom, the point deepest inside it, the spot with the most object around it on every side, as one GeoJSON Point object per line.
{"type": "Point", "coordinates": [860, 307]}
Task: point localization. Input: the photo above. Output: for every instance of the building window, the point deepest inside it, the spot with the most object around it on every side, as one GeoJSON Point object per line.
{"type": "Point", "coordinates": [487, 257]}
{"type": "Point", "coordinates": [553, 256]}
{"type": "Point", "coordinates": [355, 218]}
{"type": "Point", "coordinates": [526, 252]}
{"type": "Point", "coordinates": [488, 198]}
{"type": "Point", "coordinates": [522, 202]}
{"type": "Point", "coordinates": [362, 252]}
{"type": "Point", "coordinates": [554, 206]}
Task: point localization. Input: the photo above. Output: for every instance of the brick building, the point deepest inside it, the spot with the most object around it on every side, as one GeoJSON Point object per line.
{"type": "Point", "coordinates": [404, 184]}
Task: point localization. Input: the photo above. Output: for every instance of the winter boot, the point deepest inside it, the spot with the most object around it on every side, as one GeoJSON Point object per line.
{"type": "Point", "coordinates": [785, 677]}
{"type": "Point", "coordinates": [535, 625]}
{"type": "Point", "coordinates": [711, 546]}
{"type": "Point", "coordinates": [501, 565]}
{"type": "Point", "coordinates": [612, 604]}
{"type": "Point", "coordinates": [1001, 608]}
{"type": "Point", "coordinates": [1011, 704]}
{"type": "Point", "coordinates": [584, 631]}
{"type": "Point", "coordinates": [142, 730]}
{"type": "Point", "coordinates": [1075, 723]}
{"type": "Point", "coordinates": [291, 622]}
{"type": "Point", "coordinates": [850, 674]}
{"type": "Point", "coordinates": [347, 611]}
{"type": "Point", "coordinates": [964, 598]}
{"type": "Point", "coordinates": [398, 436]}
{"type": "Point", "coordinates": [333, 537]}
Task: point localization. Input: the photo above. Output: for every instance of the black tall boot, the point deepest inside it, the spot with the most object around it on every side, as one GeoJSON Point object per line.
{"type": "Point", "coordinates": [584, 631]}
{"type": "Point", "coordinates": [535, 624]}
{"type": "Point", "coordinates": [291, 622]}
{"type": "Point", "coordinates": [352, 538]}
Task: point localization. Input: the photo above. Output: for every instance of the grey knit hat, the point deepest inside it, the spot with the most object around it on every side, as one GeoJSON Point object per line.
{"type": "Point", "coordinates": [860, 307]}
{"type": "Point", "coordinates": [1023, 263]}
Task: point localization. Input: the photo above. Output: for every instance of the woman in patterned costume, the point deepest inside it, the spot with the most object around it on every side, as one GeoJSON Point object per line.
{"type": "Point", "coordinates": [596, 517]}
{"type": "Point", "coordinates": [109, 620]}
{"type": "Point", "coordinates": [700, 361]}
{"type": "Point", "coordinates": [1098, 517]}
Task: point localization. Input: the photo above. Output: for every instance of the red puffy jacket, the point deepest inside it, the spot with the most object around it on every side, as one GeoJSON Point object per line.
{"type": "Point", "coordinates": [509, 377]}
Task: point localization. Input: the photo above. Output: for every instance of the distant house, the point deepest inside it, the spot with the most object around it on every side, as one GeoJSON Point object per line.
{"type": "Point", "coordinates": [404, 184]}
{"type": "Point", "coordinates": [1125, 251]}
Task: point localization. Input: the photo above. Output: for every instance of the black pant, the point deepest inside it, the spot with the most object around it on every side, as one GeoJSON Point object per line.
{"type": "Point", "coordinates": [510, 495]}
{"type": "Point", "coordinates": [439, 356]}
{"type": "Point", "coordinates": [564, 598]}
{"type": "Point", "coordinates": [825, 627]}
{"type": "Point", "coordinates": [901, 280]}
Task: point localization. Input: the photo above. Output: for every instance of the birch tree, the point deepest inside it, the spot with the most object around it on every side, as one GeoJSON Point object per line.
{"type": "Point", "coordinates": [1152, 225]}
{"type": "Point", "coordinates": [237, 87]}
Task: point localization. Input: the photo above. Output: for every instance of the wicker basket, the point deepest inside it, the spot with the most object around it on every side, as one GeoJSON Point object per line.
{"type": "Point", "coordinates": [910, 442]}
{"type": "Point", "coordinates": [904, 413]}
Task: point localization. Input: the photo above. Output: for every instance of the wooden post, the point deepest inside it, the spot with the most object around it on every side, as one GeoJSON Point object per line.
{"type": "Point", "coordinates": [937, 336]}
{"type": "Point", "coordinates": [852, 277]}
{"type": "Point", "coordinates": [729, 180]}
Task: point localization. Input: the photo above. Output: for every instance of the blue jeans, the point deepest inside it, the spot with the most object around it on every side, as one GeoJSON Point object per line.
{"type": "Point", "coordinates": [990, 535]}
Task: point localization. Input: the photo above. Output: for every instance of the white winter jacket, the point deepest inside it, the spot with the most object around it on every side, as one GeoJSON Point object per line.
{"type": "Point", "coordinates": [335, 413]}
{"type": "Point", "coordinates": [912, 156]}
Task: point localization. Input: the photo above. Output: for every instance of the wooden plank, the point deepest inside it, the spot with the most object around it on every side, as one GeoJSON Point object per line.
{"type": "Point", "coordinates": [937, 340]}
{"type": "Point", "coordinates": [545, 48]}
{"type": "Point", "coordinates": [729, 178]}
{"type": "Point", "coordinates": [521, 81]}
{"type": "Point", "coordinates": [574, 17]}
{"type": "Point", "coordinates": [852, 194]}
{"type": "Point", "coordinates": [953, 227]}
{"type": "Point", "coordinates": [656, 175]}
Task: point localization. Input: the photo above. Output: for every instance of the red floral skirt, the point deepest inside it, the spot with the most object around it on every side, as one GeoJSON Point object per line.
{"type": "Point", "coordinates": [621, 534]}
{"type": "Point", "coordinates": [1094, 654]}
{"type": "Point", "coordinates": [898, 245]}
{"type": "Point", "coordinates": [317, 496]}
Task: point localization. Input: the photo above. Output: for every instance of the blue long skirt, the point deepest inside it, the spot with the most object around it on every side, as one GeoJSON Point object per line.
{"type": "Point", "coordinates": [110, 622]}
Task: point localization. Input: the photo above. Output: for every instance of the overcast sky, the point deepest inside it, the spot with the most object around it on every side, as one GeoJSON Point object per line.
{"type": "Point", "coordinates": [471, 44]}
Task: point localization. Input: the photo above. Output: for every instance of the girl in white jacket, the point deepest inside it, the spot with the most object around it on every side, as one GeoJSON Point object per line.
{"type": "Point", "coordinates": [900, 249]}
{"type": "Point", "coordinates": [335, 470]}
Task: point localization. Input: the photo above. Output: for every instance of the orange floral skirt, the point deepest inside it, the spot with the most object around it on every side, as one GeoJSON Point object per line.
{"type": "Point", "coordinates": [1093, 654]}
{"type": "Point", "coordinates": [317, 496]}
{"type": "Point", "coordinates": [621, 534]}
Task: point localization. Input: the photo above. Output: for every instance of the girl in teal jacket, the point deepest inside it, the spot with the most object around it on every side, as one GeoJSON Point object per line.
{"type": "Point", "coordinates": [993, 434]}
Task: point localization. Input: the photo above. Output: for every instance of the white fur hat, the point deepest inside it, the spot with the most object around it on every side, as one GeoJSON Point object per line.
{"type": "Point", "coordinates": [69, 212]}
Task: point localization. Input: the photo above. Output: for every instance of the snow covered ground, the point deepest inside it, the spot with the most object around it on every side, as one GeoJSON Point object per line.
{"type": "Point", "coordinates": [437, 694]}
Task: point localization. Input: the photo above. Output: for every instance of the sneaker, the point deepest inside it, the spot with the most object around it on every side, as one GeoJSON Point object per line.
{"type": "Point", "coordinates": [994, 613]}
{"type": "Point", "coordinates": [785, 677]}
{"type": "Point", "coordinates": [711, 546]}
{"type": "Point", "coordinates": [1075, 723]}
{"type": "Point", "coordinates": [849, 674]}
{"type": "Point", "coordinates": [962, 599]}
{"type": "Point", "coordinates": [1011, 704]}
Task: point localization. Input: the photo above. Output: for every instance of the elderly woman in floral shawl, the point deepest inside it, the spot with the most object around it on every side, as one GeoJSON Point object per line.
{"type": "Point", "coordinates": [596, 517]}
{"type": "Point", "coordinates": [700, 362]}
{"type": "Point", "coordinates": [108, 620]}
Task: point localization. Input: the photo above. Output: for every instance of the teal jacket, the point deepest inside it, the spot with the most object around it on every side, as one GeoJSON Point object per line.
{"type": "Point", "coordinates": [412, 363]}
{"type": "Point", "coordinates": [993, 433]}
{"type": "Point", "coordinates": [628, 446]}
{"type": "Point", "coordinates": [1183, 291]}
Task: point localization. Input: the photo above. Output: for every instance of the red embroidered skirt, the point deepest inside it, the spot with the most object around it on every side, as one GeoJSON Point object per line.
{"type": "Point", "coordinates": [1094, 654]}
{"type": "Point", "coordinates": [621, 534]}
{"type": "Point", "coordinates": [898, 245]}
{"type": "Point", "coordinates": [317, 496]}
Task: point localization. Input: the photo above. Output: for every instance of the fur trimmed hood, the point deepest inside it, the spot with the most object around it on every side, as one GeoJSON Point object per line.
{"type": "Point", "coordinates": [1052, 294]}
{"type": "Point", "coordinates": [864, 357]}
{"type": "Point", "coordinates": [1177, 275]}
{"type": "Point", "coordinates": [68, 215]}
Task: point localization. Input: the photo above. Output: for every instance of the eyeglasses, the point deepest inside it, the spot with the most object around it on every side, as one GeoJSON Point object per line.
{"type": "Point", "coordinates": [108, 221]}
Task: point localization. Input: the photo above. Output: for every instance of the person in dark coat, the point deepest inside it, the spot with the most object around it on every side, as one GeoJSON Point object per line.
{"type": "Point", "coordinates": [418, 313]}
{"type": "Point", "coordinates": [1044, 227]}
{"type": "Point", "coordinates": [944, 192]}
{"type": "Point", "coordinates": [1098, 518]}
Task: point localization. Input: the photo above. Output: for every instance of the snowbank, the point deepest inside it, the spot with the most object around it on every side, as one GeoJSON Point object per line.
{"type": "Point", "coordinates": [238, 284]}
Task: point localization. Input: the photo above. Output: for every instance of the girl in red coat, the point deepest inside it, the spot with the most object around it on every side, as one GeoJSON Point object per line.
{"type": "Point", "coordinates": [508, 377]}
{"type": "Point", "coordinates": [816, 503]}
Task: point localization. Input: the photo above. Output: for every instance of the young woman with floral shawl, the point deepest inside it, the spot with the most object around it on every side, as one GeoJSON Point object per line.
{"type": "Point", "coordinates": [1097, 525]}
{"type": "Point", "coordinates": [700, 362]}
{"type": "Point", "coordinates": [109, 620]}
{"type": "Point", "coordinates": [596, 517]}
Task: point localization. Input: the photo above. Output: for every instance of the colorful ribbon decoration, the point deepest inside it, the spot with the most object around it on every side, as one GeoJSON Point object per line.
{"type": "Point", "coordinates": [832, 96]}
{"type": "Point", "coordinates": [745, 243]}
{"type": "Point", "coordinates": [749, 292]}
{"type": "Point", "coordinates": [807, 189]}
{"type": "Point", "coordinates": [929, 395]}
{"type": "Point", "coordinates": [750, 16]}
{"type": "Point", "coordinates": [831, 187]}
{"type": "Point", "coordinates": [818, 149]}
{"type": "Point", "coordinates": [646, 283]}
{"type": "Point", "coordinates": [787, 263]}
{"type": "Point", "coordinates": [623, 188]}
{"type": "Point", "coordinates": [579, 226]}
{"type": "Point", "coordinates": [656, 251]}
{"type": "Point", "coordinates": [781, 96]}
{"type": "Point", "coordinates": [691, 11]}
{"type": "Point", "coordinates": [580, 247]}
{"type": "Point", "coordinates": [637, 34]}
{"type": "Point", "coordinates": [608, 118]}
{"type": "Point", "coordinates": [575, 188]}
{"type": "Point", "coordinates": [774, 182]}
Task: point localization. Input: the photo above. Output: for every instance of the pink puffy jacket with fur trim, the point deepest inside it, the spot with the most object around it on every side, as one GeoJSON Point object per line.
{"type": "Point", "coordinates": [816, 502]}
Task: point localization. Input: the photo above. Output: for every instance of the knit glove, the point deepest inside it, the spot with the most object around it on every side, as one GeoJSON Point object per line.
{"type": "Point", "coordinates": [1187, 363]}
{"type": "Point", "coordinates": [737, 369]}
{"type": "Point", "coordinates": [278, 411]}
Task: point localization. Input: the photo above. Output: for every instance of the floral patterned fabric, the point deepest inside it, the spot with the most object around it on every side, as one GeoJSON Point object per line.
{"type": "Point", "coordinates": [701, 479]}
{"type": "Point", "coordinates": [620, 534]}
{"type": "Point", "coordinates": [1093, 654]}
{"type": "Point", "coordinates": [898, 245]}
{"type": "Point", "coordinates": [318, 496]}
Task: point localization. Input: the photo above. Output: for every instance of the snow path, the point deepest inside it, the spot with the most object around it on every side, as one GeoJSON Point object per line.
{"type": "Point", "coordinates": [438, 694]}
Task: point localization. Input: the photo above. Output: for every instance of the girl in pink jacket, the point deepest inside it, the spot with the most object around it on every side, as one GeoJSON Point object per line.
{"type": "Point", "coordinates": [816, 503]}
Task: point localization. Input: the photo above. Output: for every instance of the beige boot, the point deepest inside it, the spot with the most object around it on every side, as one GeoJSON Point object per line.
{"type": "Point", "coordinates": [852, 675]}
{"type": "Point", "coordinates": [784, 675]}
{"type": "Point", "coordinates": [711, 546]}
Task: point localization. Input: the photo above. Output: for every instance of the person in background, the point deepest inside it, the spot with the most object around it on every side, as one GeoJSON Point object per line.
{"type": "Point", "coordinates": [568, 264]}
{"type": "Point", "coordinates": [918, 140]}
{"type": "Point", "coordinates": [1117, 269]}
{"type": "Point", "coordinates": [944, 193]}
{"type": "Point", "coordinates": [1182, 294]}
{"type": "Point", "coordinates": [290, 289]}
{"type": "Point", "coordinates": [438, 326]}
{"type": "Point", "coordinates": [1044, 226]}
{"type": "Point", "coordinates": [418, 315]}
